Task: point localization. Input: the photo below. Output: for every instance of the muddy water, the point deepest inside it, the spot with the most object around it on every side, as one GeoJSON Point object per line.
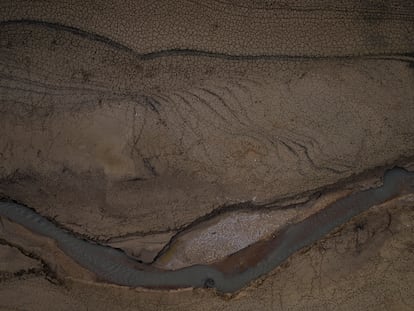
{"type": "Point", "coordinates": [232, 273]}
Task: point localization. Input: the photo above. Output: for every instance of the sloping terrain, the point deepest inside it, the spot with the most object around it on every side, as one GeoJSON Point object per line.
{"type": "Point", "coordinates": [182, 132]}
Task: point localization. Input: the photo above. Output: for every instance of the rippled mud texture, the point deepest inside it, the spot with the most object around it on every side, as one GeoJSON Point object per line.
{"type": "Point", "coordinates": [142, 124]}
{"type": "Point", "coordinates": [171, 139]}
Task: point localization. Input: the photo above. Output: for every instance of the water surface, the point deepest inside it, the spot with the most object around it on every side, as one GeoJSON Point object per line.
{"type": "Point", "coordinates": [114, 266]}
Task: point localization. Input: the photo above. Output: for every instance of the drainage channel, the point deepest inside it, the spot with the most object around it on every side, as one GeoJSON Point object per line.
{"type": "Point", "coordinates": [114, 266]}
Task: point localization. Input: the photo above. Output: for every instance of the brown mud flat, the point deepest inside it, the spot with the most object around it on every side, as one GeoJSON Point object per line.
{"type": "Point", "coordinates": [234, 272]}
{"type": "Point", "coordinates": [372, 252]}
{"type": "Point", "coordinates": [123, 122]}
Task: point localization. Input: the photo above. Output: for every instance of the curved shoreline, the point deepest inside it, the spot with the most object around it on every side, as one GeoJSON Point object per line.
{"type": "Point", "coordinates": [116, 267]}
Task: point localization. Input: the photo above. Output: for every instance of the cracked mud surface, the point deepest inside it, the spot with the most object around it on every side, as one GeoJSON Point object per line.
{"type": "Point", "coordinates": [182, 132]}
{"type": "Point", "coordinates": [198, 133]}
{"type": "Point", "coordinates": [366, 264]}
